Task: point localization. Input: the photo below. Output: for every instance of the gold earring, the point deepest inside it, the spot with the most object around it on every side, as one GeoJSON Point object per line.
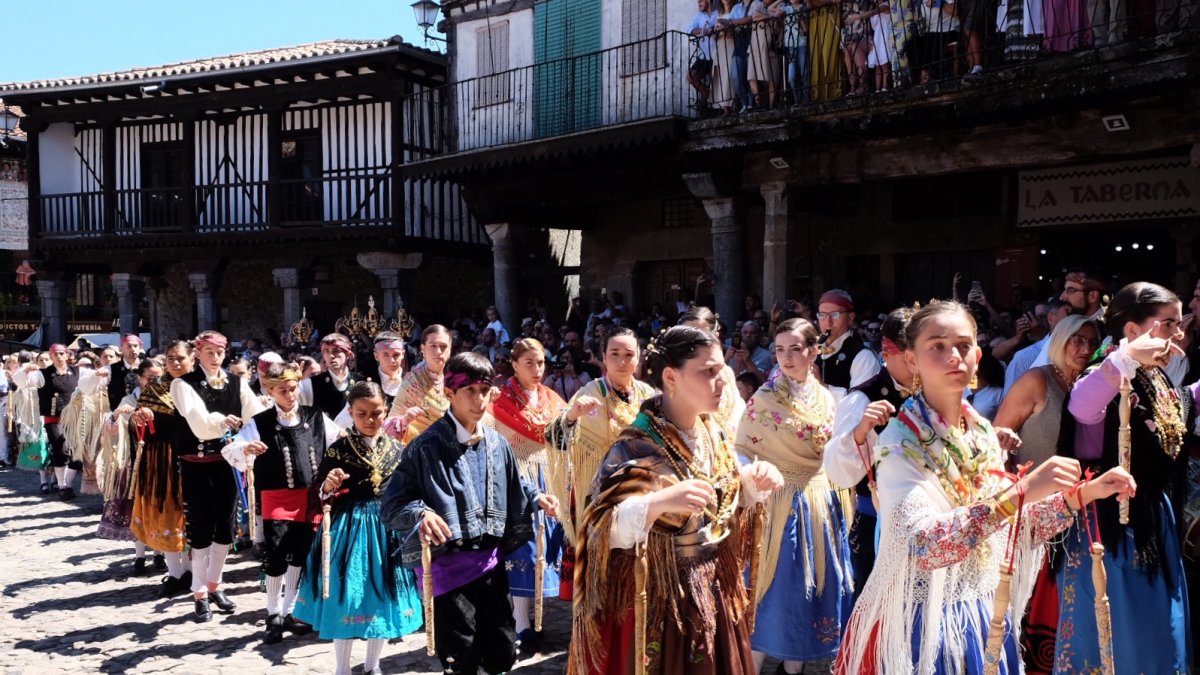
{"type": "Point", "coordinates": [670, 391]}
{"type": "Point", "coordinates": [916, 385]}
{"type": "Point", "coordinates": [974, 382]}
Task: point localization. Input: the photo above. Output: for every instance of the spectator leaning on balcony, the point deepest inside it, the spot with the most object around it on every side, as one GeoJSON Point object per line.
{"type": "Point", "coordinates": [856, 42]}
{"type": "Point", "coordinates": [973, 19]}
{"type": "Point", "coordinates": [1109, 21]}
{"type": "Point", "coordinates": [794, 14]}
{"type": "Point", "coordinates": [941, 31]}
{"type": "Point", "coordinates": [740, 16]}
{"type": "Point", "coordinates": [824, 41]}
{"type": "Point", "coordinates": [883, 47]}
{"type": "Point", "coordinates": [701, 72]}
{"type": "Point", "coordinates": [764, 63]}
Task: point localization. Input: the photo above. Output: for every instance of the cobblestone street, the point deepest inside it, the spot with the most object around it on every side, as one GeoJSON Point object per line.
{"type": "Point", "coordinates": [68, 604]}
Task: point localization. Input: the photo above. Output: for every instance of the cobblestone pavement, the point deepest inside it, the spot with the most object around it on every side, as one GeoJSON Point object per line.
{"type": "Point", "coordinates": [68, 604]}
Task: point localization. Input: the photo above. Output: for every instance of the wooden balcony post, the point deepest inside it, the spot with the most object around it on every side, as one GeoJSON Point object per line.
{"type": "Point", "coordinates": [398, 184]}
{"type": "Point", "coordinates": [190, 207]}
{"type": "Point", "coordinates": [33, 174]}
{"type": "Point", "coordinates": [274, 163]}
{"type": "Point", "coordinates": [108, 175]}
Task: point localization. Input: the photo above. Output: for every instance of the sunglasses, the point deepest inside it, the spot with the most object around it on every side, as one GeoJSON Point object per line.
{"type": "Point", "coordinates": [1078, 341]}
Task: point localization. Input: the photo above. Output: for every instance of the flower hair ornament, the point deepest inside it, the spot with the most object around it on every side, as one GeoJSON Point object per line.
{"type": "Point", "coordinates": [655, 347]}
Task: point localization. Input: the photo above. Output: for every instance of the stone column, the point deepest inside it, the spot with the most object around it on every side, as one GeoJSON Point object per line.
{"type": "Point", "coordinates": [288, 278]}
{"type": "Point", "coordinates": [208, 315]}
{"type": "Point", "coordinates": [128, 288]}
{"type": "Point", "coordinates": [777, 274]}
{"type": "Point", "coordinates": [53, 293]}
{"type": "Point", "coordinates": [152, 288]}
{"type": "Point", "coordinates": [504, 269]}
{"type": "Point", "coordinates": [727, 237]}
{"type": "Point", "coordinates": [387, 266]}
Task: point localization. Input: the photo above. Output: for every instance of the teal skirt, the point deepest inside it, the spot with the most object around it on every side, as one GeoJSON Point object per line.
{"type": "Point", "coordinates": [363, 602]}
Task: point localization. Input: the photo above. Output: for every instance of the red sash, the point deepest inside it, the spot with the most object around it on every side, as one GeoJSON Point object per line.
{"type": "Point", "coordinates": [286, 504]}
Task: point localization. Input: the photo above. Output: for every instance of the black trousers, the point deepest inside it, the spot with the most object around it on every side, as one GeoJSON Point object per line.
{"type": "Point", "coordinates": [58, 451]}
{"type": "Point", "coordinates": [287, 542]}
{"type": "Point", "coordinates": [475, 628]}
{"type": "Point", "coordinates": [862, 549]}
{"type": "Point", "coordinates": [210, 497]}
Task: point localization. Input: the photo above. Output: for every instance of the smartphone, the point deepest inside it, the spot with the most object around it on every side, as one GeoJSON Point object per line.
{"type": "Point", "coordinates": [736, 341]}
{"type": "Point", "coordinates": [976, 287]}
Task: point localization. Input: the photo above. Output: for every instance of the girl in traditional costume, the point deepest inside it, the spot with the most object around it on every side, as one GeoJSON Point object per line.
{"type": "Point", "coordinates": [668, 511]}
{"type": "Point", "coordinates": [283, 447]}
{"type": "Point", "coordinates": [955, 528]}
{"type": "Point", "coordinates": [597, 415]}
{"type": "Point", "coordinates": [423, 388]}
{"type": "Point", "coordinates": [1146, 585]}
{"type": "Point", "coordinates": [805, 585]}
{"type": "Point", "coordinates": [33, 448]}
{"type": "Point", "coordinates": [114, 465]}
{"type": "Point", "coordinates": [522, 414]}
{"type": "Point", "coordinates": [157, 516]}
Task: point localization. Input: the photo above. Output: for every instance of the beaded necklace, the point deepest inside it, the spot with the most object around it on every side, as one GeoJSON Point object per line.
{"type": "Point", "coordinates": [721, 473]}
{"type": "Point", "coordinates": [810, 410]}
{"type": "Point", "coordinates": [958, 456]}
{"type": "Point", "coordinates": [1166, 408]}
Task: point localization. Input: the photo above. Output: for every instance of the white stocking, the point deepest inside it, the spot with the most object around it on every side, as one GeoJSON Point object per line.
{"type": "Point", "coordinates": [291, 588]}
{"type": "Point", "coordinates": [139, 549]}
{"type": "Point", "coordinates": [69, 476]}
{"type": "Point", "coordinates": [521, 609]}
{"type": "Point", "coordinates": [341, 653]}
{"type": "Point", "coordinates": [216, 562]}
{"type": "Point", "coordinates": [200, 567]}
{"type": "Point", "coordinates": [374, 649]}
{"type": "Point", "coordinates": [274, 586]}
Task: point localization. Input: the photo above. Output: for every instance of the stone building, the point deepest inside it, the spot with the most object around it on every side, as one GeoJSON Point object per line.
{"type": "Point", "coordinates": [574, 116]}
{"type": "Point", "coordinates": [238, 192]}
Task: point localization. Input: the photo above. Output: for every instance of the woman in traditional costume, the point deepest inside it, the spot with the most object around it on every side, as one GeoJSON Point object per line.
{"type": "Point", "coordinates": [729, 413]}
{"type": "Point", "coordinates": [33, 452]}
{"type": "Point", "coordinates": [668, 512]}
{"type": "Point", "coordinates": [522, 413]}
{"type": "Point", "coordinates": [114, 466]}
{"type": "Point", "coordinates": [805, 585]}
{"type": "Point", "coordinates": [157, 516]}
{"type": "Point", "coordinates": [1146, 585]}
{"type": "Point", "coordinates": [369, 595]}
{"type": "Point", "coordinates": [959, 535]}
{"type": "Point", "coordinates": [423, 388]}
{"type": "Point", "coordinates": [597, 415]}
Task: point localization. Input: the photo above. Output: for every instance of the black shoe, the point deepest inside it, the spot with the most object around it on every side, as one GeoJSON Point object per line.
{"type": "Point", "coordinates": [139, 566]}
{"type": "Point", "coordinates": [296, 626]}
{"type": "Point", "coordinates": [160, 563]}
{"type": "Point", "coordinates": [185, 581]}
{"type": "Point", "coordinates": [274, 630]}
{"type": "Point", "coordinates": [222, 601]}
{"type": "Point", "coordinates": [171, 587]}
{"type": "Point", "coordinates": [203, 613]}
{"type": "Point", "coordinates": [66, 494]}
{"type": "Point", "coordinates": [259, 551]}
{"type": "Point", "coordinates": [45, 488]}
{"type": "Point", "coordinates": [528, 641]}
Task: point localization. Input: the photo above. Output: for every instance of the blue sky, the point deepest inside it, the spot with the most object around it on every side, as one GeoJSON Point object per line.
{"type": "Point", "coordinates": [71, 37]}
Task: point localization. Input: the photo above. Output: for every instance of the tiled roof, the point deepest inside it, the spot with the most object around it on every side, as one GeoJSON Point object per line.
{"type": "Point", "coordinates": [216, 64]}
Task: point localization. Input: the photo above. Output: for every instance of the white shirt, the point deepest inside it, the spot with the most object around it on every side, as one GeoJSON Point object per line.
{"type": "Point", "coordinates": [706, 22]}
{"type": "Point", "coordinates": [865, 366]}
{"type": "Point", "coordinates": [461, 433]}
{"type": "Point", "coordinates": [235, 452]}
{"type": "Point", "coordinates": [207, 425]}
{"type": "Point", "coordinates": [502, 335]}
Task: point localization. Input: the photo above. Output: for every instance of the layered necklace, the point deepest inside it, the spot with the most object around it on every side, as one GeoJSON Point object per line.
{"type": "Point", "coordinates": [809, 410]}
{"type": "Point", "coordinates": [1167, 408]}
{"type": "Point", "coordinates": [374, 455]}
{"type": "Point", "coordinates": [721, 474]}
{"type": "Point", "coordinates": [960, 458]}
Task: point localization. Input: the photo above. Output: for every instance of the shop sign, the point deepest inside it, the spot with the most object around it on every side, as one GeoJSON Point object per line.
{"type": "Point", "coordinates": [1150, 189]}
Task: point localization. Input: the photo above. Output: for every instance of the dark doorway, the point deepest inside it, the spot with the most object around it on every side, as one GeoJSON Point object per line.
{"type": "Point", "coordinates": [164, 177]}
{"type": "Point", "coordinates": [300, 177]}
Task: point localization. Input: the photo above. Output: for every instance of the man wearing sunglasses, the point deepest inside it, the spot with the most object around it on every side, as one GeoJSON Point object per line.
{"type": "Point", "coordinates": [849, 364]}
{"type": "Point", "coordinates": [1056, 310]}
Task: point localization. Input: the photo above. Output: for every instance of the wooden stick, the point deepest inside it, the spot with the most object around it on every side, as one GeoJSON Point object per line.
{"type": "Point", "coordinates": [539, 575]}
{"type": "Point", "coordinates": [1103, 611]}
{"type": "Point", "coordinates": [641, 608]}
{"type": "Point", "coordinates": [326, 543]}
{"type": "Point", "coordinates": [427, 584]}
{"type": "Point", "coordinates": [995, 635]}
{"type": "Point", "coordinates": [1124, 443]}
{"type": "Point", "coordinates": [251, 500]}
{"type": "Point", "coordinates": [756, 528]}
{"type": "Point", "coordinates": [137, 460]}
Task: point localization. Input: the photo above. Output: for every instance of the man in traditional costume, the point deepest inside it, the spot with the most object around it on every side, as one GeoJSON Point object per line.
{"type": "Point", "coordinates": [327, 390]}
{"type": "Point", "coordinates": [214, 405]}
{"type": "Point", "coordinates": [846, 362]}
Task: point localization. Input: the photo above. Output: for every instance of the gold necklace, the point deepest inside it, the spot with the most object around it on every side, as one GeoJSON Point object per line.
{"type": "Point", "coordinates": [717, 477]}
{"type": "Point", "coordinates": [1165, 406]}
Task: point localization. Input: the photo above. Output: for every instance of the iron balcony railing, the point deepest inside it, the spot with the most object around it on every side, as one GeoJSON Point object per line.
{"type": "Point", "coordinates": [631, 83]}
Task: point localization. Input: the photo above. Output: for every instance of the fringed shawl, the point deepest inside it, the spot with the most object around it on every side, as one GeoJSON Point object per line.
{"type": "Point", "coordinates": [81, 424]}
{"type": "Point", "coordinates": [687, 561]}
{"type": "Point", "coordinates": [115, 457]}
{"type": "Point", "coordinates": [938, 563]}
{"type": "Point", "coordinates": [524, 427]}
{"type": "Point", "coordinates": [419, 390]}
{"type": "Point", "coordinates": [777, 429]}
{"type": "Point", "coordinates": [584, 445]}
{"type": "Point", "coordinates": [27, 414]}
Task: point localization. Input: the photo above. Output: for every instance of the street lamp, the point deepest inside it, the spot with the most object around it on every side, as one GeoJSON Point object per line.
{"type": "Point", "coordinates": [427, 15]}
{"type": "Point", "coordinates": [8, 124]}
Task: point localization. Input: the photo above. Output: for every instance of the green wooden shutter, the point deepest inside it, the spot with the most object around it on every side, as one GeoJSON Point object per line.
{"type": "Point", "coordinates": [567, 73]}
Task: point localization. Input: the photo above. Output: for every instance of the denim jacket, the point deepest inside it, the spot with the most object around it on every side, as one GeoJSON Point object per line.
{"type": "Point", "coordinates": [435, 474]}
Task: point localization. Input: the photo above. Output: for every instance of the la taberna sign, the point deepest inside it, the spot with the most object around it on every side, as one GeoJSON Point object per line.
{"type": "Point", "coordinates": [1149, 189]}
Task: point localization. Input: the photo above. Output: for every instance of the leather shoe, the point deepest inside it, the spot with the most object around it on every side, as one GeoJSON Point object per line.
{"type": "Point", "coordinates": [274, 632]}
{"type": "Point", "coordinates": [203, 613]}
{"type": "Point", "coordinates": [66, 494]}
{"type": "Point", "coordinates": [222, 601]}
{"type": "Point", "coordinates": [139, 566]}
{"type": "Point", "coordinates": [171, 587]}
{"type": "Point", "coordinates": [296, 626]}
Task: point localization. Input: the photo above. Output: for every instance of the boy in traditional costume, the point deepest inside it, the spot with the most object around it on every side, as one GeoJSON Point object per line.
{"type": "Point", "coordinates": [283, 446]}
{"type": "Point", "coordinates": [327, 390]}
{"type": "Point", "coordinates": [460, 495]}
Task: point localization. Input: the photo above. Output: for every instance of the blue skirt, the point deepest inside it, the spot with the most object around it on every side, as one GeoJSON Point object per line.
{"type": "Point", "coordinates": [1149, 617]}
{"type": "Point", "coordinates": [791, 624]}
{"type": "Point", "coordinates": [359, 604]}
{"type": "Point", "coordinates": [520, 563]}
{"type": "Point", "coordinates": [975, 649]}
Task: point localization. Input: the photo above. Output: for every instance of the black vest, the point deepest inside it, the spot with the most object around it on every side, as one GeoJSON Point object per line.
{"type": "Point", "coordinates": [293, 452]}
{"type": "Point", "coordinates": [226, 401]}
{"type": "Point", "coordinates": [55, 393]}
{"type": "Point", "coordinates": [835, 370]}
{"type": "Point", "coordinates": [327, 397]}
{"type": "Point", "coordinates": [117, 387]}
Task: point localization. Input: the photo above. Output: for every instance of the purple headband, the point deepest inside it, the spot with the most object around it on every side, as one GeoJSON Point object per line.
{"type": "Point", "coordinates": [459, 380]}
